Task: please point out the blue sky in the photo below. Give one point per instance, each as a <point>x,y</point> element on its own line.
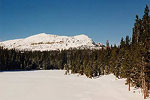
<point>101,20</point>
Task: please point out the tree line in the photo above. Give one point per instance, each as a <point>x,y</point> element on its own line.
<point>130,60</point>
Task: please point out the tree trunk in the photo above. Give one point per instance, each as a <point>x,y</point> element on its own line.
<point>129,84</point>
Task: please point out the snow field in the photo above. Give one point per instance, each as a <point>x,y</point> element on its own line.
<point>54,85</point>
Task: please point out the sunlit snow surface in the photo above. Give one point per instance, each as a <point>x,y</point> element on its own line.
<point>47,42</point>
<point>54,85</point>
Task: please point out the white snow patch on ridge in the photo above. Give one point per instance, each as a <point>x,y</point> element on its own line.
<point>47,42</point>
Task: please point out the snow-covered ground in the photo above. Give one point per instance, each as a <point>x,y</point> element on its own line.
<point>54,85</point>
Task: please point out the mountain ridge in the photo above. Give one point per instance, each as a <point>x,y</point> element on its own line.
<point>48,42</point>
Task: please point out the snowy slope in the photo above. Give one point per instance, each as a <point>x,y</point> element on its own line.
<point>54,85</point>
<point>46,42</point>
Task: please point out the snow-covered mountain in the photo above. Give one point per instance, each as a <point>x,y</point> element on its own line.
<point>47,42</point>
